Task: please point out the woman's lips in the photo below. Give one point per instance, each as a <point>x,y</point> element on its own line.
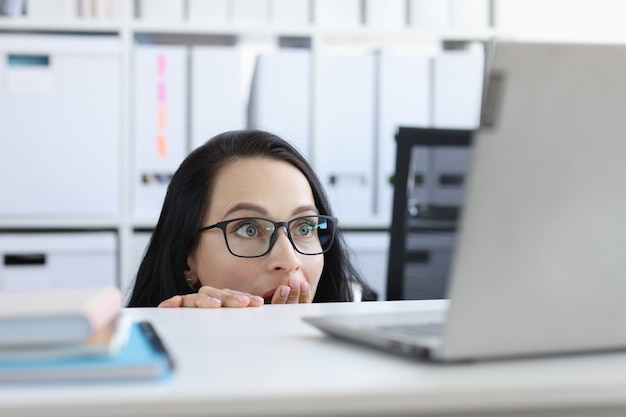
<point>267,296</point>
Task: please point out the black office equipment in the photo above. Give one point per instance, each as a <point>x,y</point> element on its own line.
<point>431,165</point>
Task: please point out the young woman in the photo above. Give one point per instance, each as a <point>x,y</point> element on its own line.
<point>245,222</point>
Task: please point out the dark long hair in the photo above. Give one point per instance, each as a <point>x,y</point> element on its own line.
<point>161,273</point>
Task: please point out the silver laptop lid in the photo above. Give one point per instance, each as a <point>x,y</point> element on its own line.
<point>541,257</point>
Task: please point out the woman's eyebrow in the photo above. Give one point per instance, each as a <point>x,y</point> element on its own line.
<point>262,211</point>
<point>247,206</point>
<point>305,208</point>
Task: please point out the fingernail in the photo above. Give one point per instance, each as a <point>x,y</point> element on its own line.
<point>304,287</point>
<point>284,292</point>
<point>258,299</point>
<point>215,300</point>
<point>293,283</point>
<point>242,298</point>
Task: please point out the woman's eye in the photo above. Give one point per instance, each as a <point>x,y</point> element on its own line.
<point>247,230</point>
<point>304,229</point>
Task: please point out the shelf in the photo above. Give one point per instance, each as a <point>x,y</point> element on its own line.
<point>40,223</point>
<point>197,28</point>
<point>403,34</point>
<point>60,26</point>
<point>202,29</point>
<point>126,223</point>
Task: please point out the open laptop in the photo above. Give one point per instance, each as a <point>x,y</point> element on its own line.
<point>540,261</point>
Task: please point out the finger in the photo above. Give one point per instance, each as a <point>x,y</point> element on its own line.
<point>191,300</point>
<point>232,298</point>
<point>294,293</point>
<point>203,301</point>
<point>254,300</point>
<point>281,294</point>
<point>305,293</point>
<point>173,302</point>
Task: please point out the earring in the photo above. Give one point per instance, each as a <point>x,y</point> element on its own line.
<point>189,282</point>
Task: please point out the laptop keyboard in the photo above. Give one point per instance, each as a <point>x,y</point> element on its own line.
<point>417,330</point>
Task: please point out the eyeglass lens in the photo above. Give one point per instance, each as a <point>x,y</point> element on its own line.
<point>311,235</point>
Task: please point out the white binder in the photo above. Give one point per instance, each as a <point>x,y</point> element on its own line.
<point>338,13</point>
<point>470,14</point>
<point>404,98</point>
<point>458,83</point>
<point>160,122</point>
<point>345,133</point>
<point>385,14</point>
<point>280,96</point>
<point>52,9</point>
<point>290,12</point>
<point>429,14</point>
<point>217,99</point>
<point>248,12</point>
<point>209,11</point>
<point>161,10</point>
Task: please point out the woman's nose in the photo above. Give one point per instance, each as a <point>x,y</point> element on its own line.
<point>283,255</point>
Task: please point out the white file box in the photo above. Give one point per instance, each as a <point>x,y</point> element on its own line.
<point>339,14</point>
<point>161,10</point>
<point>160,122</point>
<point>255,12</point>
<point>429,14</point>
<point>48,261</point>
<point>280,96</point>
<point>458,83</point>
<point>345,133</point>
<point>139,245</point>
<point>60,124</point>
<point>404,98</point>
<point>209,11</point>
<point>386,14</point>
<point>290,12</point>
<point>369,253</point>
<point>217,100</point>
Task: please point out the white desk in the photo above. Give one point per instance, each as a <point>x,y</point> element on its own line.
<point>267,362</point>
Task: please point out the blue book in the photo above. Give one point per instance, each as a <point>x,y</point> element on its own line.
<point>143,356</point>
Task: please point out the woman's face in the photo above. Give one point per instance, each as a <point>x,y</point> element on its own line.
<point>256,187</point>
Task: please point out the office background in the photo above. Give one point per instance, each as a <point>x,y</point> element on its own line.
<point>101,99</point>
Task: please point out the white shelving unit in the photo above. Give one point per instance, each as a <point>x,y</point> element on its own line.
<point>127,29</point>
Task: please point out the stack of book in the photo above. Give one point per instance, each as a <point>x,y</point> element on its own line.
<point>76,335</point>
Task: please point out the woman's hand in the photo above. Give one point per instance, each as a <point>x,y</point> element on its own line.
<point>294,292</point>
<point>209,297</point>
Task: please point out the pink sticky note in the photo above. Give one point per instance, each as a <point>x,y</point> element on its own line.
<point>161,64</point>
<point>161,145</point>
<point>161,93</point>
<point>161,117</point>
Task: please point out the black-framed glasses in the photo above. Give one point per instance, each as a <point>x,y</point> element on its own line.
<point>253,237</point>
